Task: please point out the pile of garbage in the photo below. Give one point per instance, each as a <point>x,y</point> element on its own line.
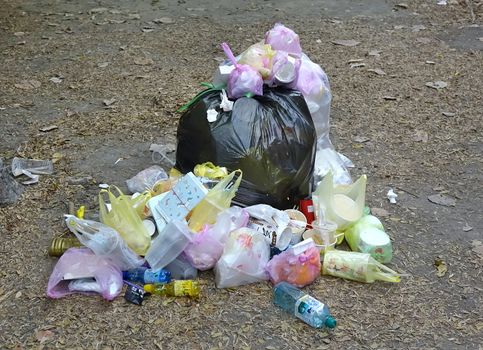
<point>258,193</point>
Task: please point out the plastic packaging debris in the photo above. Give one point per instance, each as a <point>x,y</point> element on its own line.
<point>244,80</point>
<point>178,202</point>
<point>271,138</point>
<point>303,306</point>
<point>59,245</point>
<point>84,285</point>
<point>298,265</point>
<point>80,263</point>
<point>206,247</point>
<point>160,153</point>
<point>181,269</point>
<point>297,224</point>
<point>146,276</point>
<point>225,104</point>
<point>211,115</point>
<point>186,288</point>
<point>134,294</point>
<point>284,69</point>
<point>103,241</point>
<point>283,39</point>
<point>210,171</point>
<point>10,190</point>
<point>124,219</point>
<point>146,179</point>
<point>328,160</point>
<point>171,241</point>
<point>258,56</point>
<point>391,195</point>
<point>340,204</point>
<point>218,199</point>
<point>357,266</point>
<point>244,258</point>
<point>33,166</point>
<point>271,223</point>
<point>324,235</point>
<point>367,236</point>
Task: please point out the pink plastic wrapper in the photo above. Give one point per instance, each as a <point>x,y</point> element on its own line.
<point>244,79</point>
<point>207,246</point>
<point>297,269</point>
<point>311,80</point>
<point>283,39</point>
<point>80,263</point>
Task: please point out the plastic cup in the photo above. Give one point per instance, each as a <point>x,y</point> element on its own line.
<point>298,223</point>
<point>324,235</point>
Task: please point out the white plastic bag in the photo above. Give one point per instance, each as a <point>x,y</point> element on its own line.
<point>104,241</point>
<point>244,259</point>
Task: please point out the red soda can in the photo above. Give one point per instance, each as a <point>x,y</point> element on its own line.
<point>307,208</point>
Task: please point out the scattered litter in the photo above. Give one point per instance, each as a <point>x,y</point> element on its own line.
<point>378,71</point>
<point>357,65</point>
<point>109,102</point>
<point>163,20</point>
<point>402,5</point>
<point>56,80</point>
<point>361,139</point>
<point>159,153</point>
<point>10,190</point>
<point>448,114</point>
<point>118,160</point>
<point>442,2</point>
<point>441,267</point>
<point>211,115</point>
<point>467,228</point>
<point>225,104</point>
<point>104,186</point>
<point>390,98</point>
<point>391,195</point>
<point>48,128</point>
<point>349,43</point>
<point>442,199</point>
<point>430,62</point>
<point>438,85</point>
<point>33,166</point>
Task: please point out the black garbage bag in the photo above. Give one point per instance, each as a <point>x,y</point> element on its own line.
<point>271,138</point>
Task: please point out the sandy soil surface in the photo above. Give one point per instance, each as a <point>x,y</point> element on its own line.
<point>122,68</point>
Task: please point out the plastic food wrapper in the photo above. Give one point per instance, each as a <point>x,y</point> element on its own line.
<point>10,190</point>
<point>244,259</point>
<point>210,171</point>
<point>82,263</point>
<point>284,69</point>
<point>258,56</point>
<point>146,179</point>
<point>271,138</point>
<point>283,39</point>
<point>244,80</point>
<point>125,220</point>
<point>298,265</point>
<point>207,246</point>
<point>104,241</point>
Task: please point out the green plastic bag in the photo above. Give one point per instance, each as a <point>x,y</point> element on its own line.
<point>125,220</point>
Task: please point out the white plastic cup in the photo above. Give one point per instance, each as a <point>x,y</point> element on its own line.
<point>298,223</point>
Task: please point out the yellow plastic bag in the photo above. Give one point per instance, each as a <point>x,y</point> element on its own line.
<point>125,220</point>
<point>210,171</point>
<point>139,203</point>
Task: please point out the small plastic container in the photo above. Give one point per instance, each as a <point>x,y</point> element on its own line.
<point>171,241</point>
<point>35,166</point>
<point>324,235</point>
<point>297,223</point>
<point>181,269</point>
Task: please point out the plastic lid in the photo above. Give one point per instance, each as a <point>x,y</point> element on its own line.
<point>149,288</point>
<point>330,322</point>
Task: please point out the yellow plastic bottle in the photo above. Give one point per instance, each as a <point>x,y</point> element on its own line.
<point>179,288</point>
<point>218,199</point>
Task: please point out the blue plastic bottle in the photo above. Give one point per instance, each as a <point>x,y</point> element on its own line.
<point>302,305</point>
<point>147,276</point>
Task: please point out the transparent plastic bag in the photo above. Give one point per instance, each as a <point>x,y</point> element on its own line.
<point>283,39</point>
<point>125,220</point>
<point>244,80</point>
<point>82,263</point>
<point>181,269</point>
<point>298,265</point>
<point>244,259</point>
<point>207,246</point>
<point>146,179</point>
<point>104,241</point>
<point>258,56</point>
<point>284,69</point>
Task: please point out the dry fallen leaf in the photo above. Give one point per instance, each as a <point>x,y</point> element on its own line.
<point>379,212</point>
<point>437,84</point>
<point>440,267</point>
<point>349,43</point>
<point>357,65</point>
<point>442,199</point>
<point>421,136</point>
<point>48,128</point>
<point>143,61</point>
<point>28,84</point>
<point>163,20</point>
<point>378,71</point>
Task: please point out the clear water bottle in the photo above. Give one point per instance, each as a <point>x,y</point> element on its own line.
<point>302,305</point>
<point>147,276</point>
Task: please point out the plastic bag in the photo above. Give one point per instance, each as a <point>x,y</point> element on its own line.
<point>104,241</point>
<point>284,69</point>
<point>181,269</point>
<point>244,80</point>
<point>244,258</point>
<point>271,138</point>
<point>207,246</point>
<point>10,190</point>
<point>283,39</point>
<point>82,263</point>
<point>125,220</point>
<point>146,179</point>
<point>258,56</point>
<point>298,265</point>
<point>139,203</point>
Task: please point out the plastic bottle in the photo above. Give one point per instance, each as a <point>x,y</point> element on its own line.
<point>187,288</point>
<point>303,306</point>
<point>357,266</point>
<point>145,275</point>
<point>218,199</point>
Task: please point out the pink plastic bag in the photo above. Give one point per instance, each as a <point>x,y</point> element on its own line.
<point>207,246</point>
<point>244,80</point>
<point>284,70</point>
<point>283,39</point>
<point>298,265</point>
<point>82,263</point>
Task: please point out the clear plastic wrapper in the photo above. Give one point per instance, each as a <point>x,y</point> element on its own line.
<point>146,179</point>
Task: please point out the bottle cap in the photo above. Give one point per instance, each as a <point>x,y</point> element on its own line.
<point>330,322</point>
<point>149,288</point>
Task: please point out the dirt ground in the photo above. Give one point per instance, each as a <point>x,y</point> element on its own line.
<point>150,57</point>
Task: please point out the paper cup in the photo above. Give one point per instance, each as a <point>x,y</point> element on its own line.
<point>282,239</point>
<point>298,223</point>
